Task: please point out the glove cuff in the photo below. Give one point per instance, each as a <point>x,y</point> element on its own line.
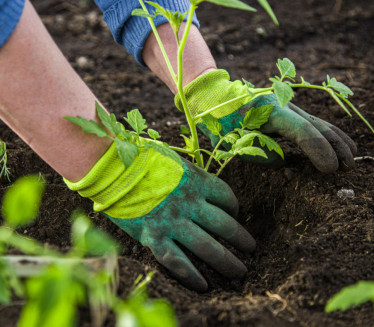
<point>210,90</point>
<point>131,192</point>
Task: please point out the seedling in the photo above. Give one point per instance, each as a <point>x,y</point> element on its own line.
<point>241,140</point>
<point>56,284</point>
<point>350,296</point>
<point>4,170</point>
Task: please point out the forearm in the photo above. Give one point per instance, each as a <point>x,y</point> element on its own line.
<point>38,88</point>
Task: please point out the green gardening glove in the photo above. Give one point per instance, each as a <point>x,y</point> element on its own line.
<point>158,201</point>
<point>326,145</point>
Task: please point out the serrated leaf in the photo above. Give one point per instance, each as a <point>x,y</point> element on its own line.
<point>270,144</point>
<point>283,92</point>
<point>22,200</point>
<point>221,155</point>
<point>127,151</point>
<point>153,134</point>
<point>256,117</point>
<point>141,13</point>
<point>269,11</point>
<point>344,90</point>
<point>188,141</point>
<point>108,120</point>
<point>286,67</point>
<point>136,121</point>
<point>231,138</point>
<point>252,151</point>
<point>349,296</point>
<point>185,130</point>
<point>244,141</point>
<point>233,4</point>
<point>212,123</point>
<point>88,126</point>
<point>165,150</point>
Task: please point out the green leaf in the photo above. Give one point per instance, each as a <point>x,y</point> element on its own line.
<point>88,126</point>
<point>174,18</point>
<point>52,298</point>
<point>283,92</point>
<point>127,151</point>
<point>252,151</point>
<point>189,142</point>
<point>164,150</point>
<point>270,144</point>
<point>141,13</point>
<point>268,9</point>
<point>344,90</point>
<point>236,4</point>
<point>185,129</point>
<point>219,155</point>
<point>244,141</point>
<point>153,134</point>
<point>286,67</point>
<point>349,296</point>
<point>231,138</point>
<point>256,117</point>
<point>136,121</point>
<point>212,123</point>
<point>109,121</point>
<point>22,200</point>
<point>88,239</point>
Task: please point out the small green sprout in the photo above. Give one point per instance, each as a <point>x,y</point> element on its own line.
<point>350,296</point>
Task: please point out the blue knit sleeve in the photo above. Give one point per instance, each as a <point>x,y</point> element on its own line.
<point>132,31</point>
<point>10,13</point>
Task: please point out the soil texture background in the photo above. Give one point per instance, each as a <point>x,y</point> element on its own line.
<point>311,242</point>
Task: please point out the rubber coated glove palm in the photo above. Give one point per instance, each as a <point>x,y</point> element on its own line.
<point>325,145</point>
<point>158,201</point>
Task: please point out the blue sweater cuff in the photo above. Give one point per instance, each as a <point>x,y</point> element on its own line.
<point>132,31</point>
<point>10,13</point>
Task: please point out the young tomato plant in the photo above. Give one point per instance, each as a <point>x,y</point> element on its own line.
<point>241,140</point>
<point>359,293</point>
<point>54,294</point>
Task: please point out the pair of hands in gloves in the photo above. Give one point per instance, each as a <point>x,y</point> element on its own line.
<point>197,202</point>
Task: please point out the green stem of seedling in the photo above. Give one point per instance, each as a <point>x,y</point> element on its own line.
<point>190,120</point>
<point>181,150</point>
<point>213,154</point>
<point>224,165</point>
<point>160,44</point>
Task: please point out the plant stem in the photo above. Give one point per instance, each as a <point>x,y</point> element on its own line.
<point>160,44</point>
<point>212,155</point>
<point>181,150</point>
<point>224,165</point>
<point>190,120</point>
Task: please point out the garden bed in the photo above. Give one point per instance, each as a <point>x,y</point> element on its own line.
<point>311,242</point>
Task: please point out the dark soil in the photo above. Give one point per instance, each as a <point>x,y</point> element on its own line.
<point>311,243</point>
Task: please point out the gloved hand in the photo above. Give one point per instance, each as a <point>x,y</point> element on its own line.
<point>326,145</point>
<point>158,201</point>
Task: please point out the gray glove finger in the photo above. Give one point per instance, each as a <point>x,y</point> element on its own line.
<point>341,148</point>
<point>218,193</point>
<point>180,267</point>
<point>291,125</point>
<point>210,251</point>
<point>221,224</point>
